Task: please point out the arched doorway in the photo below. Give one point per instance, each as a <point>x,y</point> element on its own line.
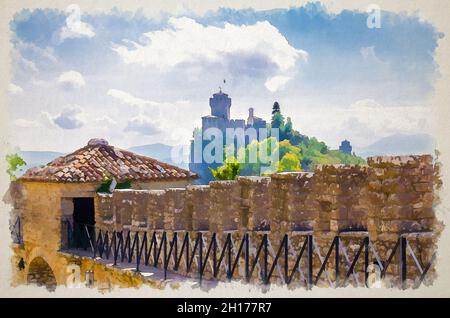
<point>41,274</point>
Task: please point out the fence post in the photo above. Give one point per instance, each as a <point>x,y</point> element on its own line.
<point>115,251</point>
<point>138,254</point>
<point>164,238</point>
<point>200,256</point>
<point>175,247</point>
<point>402,262</point>
<point>310,261</point>
<point>266,259</point>
<point>337,260</point>
<point>286,258</point>
<point>229,240</point>
<point>20,231</point>
<point>247,257</point>
<point>188,247</point>
<point>366,259</point>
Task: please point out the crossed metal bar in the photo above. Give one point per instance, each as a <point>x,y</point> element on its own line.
<point>159,251</point>
<point>16,231</point>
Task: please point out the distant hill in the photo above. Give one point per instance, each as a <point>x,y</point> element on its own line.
<point>36,158</point>
<point>399,144</point>
<point>159,152</point>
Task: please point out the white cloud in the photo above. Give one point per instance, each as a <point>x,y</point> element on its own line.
<point>104,121</point>
<point>27,65</point>
<point>244,48</point>
<point>368,52</point>
<point>171,121</point>
<point>363,122</point>
<point>25,123</point>
<point>14,89</point>
<point>143,124</point>
<point>47,53</point>
<point>71,80</point>
<point>276,83</point>
<point>126,98</point>
<point>383,120</point>
<point>129,99</point>
<point>69,118</point>
<point>75,28</point>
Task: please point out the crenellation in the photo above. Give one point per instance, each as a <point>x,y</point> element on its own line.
<point>384,200</point>
<point>255,202</point>
<point>176,216</point>
<point>155,209</point>
<point>383,197</point>
<point>225,209</point>
<point>198,202</point>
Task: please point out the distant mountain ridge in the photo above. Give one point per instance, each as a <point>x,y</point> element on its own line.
<point>39,157</point>
<point>161,152</point>
<point>157,151</point>
<point>399,144</point>
<point>36,158</point>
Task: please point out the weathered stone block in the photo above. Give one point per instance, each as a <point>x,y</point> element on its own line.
<point>396,212</point>
<point>423,187</point>
<point>199,202</point>
<point>155,209</point>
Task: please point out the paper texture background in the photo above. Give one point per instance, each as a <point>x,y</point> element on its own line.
<point>434,11</point>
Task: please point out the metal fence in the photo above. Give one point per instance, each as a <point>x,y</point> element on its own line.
<point>16,231</point>
<point>252,257</point>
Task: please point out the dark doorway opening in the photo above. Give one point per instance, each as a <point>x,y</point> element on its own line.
<point>41,274</point>
<point>83,222</point>
<point>83,210</point>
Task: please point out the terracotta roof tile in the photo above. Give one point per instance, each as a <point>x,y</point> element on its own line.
<point>95,162</point>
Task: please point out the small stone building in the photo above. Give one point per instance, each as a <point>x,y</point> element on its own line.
<point>45,198</point>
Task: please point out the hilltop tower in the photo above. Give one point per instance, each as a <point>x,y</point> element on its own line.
<point>346,147</point>
<point>220,118</point>
<point>220,105</point>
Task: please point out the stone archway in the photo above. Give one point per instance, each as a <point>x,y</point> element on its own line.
<point>41,274</point>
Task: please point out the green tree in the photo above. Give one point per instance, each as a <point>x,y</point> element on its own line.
<point>275,108</point>
<point>277,122</point>
<point>303,156</point>
<point>287,132</point>
<point>228,171</point>
<point>14,163</point>
<point>104,187</point>
<point>286,147</point>
<point>289,163</point>
<point>296,138</point>
<point>258,156</point>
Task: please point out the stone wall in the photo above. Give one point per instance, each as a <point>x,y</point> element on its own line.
<point>42,208</point>
<point>389,196</point>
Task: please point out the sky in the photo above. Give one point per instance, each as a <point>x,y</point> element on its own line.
<point>134,79</point>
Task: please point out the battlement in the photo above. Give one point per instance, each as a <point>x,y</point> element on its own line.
<point>390,195</point>
<point>220,105</point>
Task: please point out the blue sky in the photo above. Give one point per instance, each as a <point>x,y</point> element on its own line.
<point>134,80</point>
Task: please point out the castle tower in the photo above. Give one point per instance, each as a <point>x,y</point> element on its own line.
<point>346,147</point>
<point>251,117</point>
<point>220,105</point>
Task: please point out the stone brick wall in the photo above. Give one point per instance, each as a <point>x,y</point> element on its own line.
<point>388,197</point>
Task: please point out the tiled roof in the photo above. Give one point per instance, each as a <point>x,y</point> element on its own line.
<point>99,161</point>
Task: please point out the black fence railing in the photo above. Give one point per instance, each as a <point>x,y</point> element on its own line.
<point>253,257</point>
<point>16,231</point>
